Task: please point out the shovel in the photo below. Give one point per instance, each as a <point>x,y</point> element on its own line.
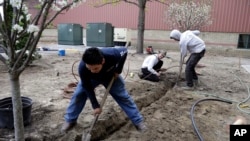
<point>87,136</point>
<point>179,75</point>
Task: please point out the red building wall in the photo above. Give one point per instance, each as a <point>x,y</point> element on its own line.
<point>228,16</point>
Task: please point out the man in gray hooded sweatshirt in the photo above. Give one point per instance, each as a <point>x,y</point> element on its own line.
<point>189,42</point>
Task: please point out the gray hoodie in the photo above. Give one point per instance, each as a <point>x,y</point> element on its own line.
<point>188,41</point>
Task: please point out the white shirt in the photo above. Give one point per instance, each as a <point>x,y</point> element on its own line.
<point>189,41</point>
<point>149,62</point>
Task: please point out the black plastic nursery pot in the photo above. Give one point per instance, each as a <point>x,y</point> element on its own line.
<point>6,112</point>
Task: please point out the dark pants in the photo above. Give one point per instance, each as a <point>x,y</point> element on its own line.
<point>147,75</point>
<point>190,67</point>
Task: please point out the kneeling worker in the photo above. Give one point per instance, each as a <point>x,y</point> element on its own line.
<point>151,67</point>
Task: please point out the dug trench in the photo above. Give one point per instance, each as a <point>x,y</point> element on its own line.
<point>166,112</point>
<point>113,118</point>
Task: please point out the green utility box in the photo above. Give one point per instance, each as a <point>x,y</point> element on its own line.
<point>100,35</point>
<point>70,34</point>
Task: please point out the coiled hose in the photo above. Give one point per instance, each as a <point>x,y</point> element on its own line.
<point>193,108</point>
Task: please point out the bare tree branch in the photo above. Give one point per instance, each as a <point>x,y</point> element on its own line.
<point>57,13</point>
<point>189,14</point>
<point>36,19</point>
<point>165,2</point>
<point>114,2</point>
<point>131,2</point>
<point>106,3</point>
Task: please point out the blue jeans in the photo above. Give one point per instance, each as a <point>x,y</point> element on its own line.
<point>117,91</point>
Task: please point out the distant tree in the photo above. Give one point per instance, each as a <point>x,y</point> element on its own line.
<point>141,4</point>
<point>189,14</point>
<point>19,31</point>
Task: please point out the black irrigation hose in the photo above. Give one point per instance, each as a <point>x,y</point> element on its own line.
<point>192,111</point>
<point>72,70</point>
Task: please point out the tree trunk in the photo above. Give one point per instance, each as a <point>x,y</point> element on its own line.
<point>17,106</point>
<point>141,26</point>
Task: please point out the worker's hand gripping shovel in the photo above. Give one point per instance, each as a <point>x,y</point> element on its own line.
<point>87,136</point>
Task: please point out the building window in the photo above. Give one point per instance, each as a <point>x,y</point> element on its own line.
<point>244,41</point>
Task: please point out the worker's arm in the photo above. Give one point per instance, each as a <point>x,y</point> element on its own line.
<point>183,50</point>
<point>196,32</point>
<point>86,83</point>
<point>184,41</point>
<point>151,65</point>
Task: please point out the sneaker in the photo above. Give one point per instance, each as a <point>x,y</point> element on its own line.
<point>141,127</point>
<point>67,126</point>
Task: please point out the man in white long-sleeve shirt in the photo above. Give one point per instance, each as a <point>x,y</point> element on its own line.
<point>190,42</point>
<point>151,67</point>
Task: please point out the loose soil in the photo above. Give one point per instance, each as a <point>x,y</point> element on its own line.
<point>165,107</point>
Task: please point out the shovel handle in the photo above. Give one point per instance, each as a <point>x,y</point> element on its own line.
<point>107,91</point>
<point>179,74</point>
<point>102,103</point>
